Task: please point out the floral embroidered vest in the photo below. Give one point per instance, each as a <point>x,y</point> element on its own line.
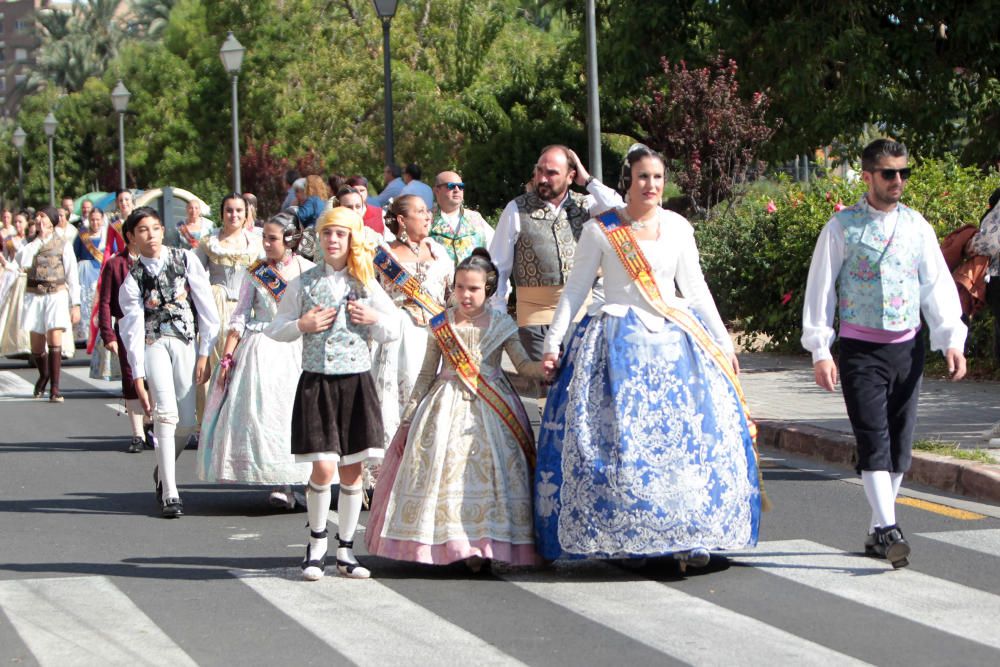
<point>343,348</point>
<point>166,302</point>
<point>546,245</point>
<point>879,283</point>
<point>459,242</point>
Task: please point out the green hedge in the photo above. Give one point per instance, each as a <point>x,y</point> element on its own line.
<point>756,262</point>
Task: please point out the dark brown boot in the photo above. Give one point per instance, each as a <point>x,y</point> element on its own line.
<point>42,364</point>
<point>55,367</point>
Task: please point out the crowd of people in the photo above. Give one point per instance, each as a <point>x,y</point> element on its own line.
<point>357,341</point>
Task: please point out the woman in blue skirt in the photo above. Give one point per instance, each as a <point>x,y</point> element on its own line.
<point>646,447</point>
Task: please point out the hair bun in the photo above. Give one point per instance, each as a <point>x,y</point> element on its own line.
<point>482,252</point>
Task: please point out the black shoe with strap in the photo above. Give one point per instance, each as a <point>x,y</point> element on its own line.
<point>893,546</point>
<point>314,568</point>
<point>135,446</point>
<point>350,567</point>
<point>172,508</point>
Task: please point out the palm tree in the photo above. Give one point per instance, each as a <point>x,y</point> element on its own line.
<point>150,17</point>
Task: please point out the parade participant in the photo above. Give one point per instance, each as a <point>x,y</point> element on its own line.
<point>124,204</point>
<point>397,364</point>
<point>645,447</point>
<point>89,250</point>
<point>226,254</point>
<point>536,240</point>
<point>194,227</point>
<point>18,238</point>
<point>457,484</point>
<point>374,217</point>
<point>85,208</point>
<point>163,295</point>
<point>63,227</point>
<point>246,430</point>
<point>878,264</point>
<point>51,299</point>
<point>337,307</point>
<point>252,224</point>
<point>455,227</point>
<point>349,198</point>
<point>6,225</point>
<point>109,314</point>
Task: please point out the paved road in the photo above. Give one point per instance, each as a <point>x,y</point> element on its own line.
<point>90,575</point>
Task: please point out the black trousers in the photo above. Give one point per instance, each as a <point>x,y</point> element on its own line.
<point>881,384</point>
<point>993,300</point>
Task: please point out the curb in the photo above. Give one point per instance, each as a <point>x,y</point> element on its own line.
<point>967,478</point>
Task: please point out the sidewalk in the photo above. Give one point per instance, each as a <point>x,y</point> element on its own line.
<point>795,415</point>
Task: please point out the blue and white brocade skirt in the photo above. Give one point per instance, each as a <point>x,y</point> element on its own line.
<point>644,448</point>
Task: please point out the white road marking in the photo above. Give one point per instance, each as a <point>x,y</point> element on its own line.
<point>937,603</point>
<point>82,373</point>
<point>15,388</point>
<point>985,541</point>
<point>680,625</point>
<point>79,621</point>
<point>377,626</point>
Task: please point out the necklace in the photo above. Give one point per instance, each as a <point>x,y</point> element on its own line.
<point>637,224</point>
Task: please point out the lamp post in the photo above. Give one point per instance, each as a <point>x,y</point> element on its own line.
<point>386,9</point>
<point>18,138</point>
<point>232,59</point>
<point>49,124</point>
<point>593,101</point>
<point>119,100</point>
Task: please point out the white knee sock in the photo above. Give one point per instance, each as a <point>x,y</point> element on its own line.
<point>897,481</point>
<point>318,509</point>
<point>348,511</point>
<point>165,457</point>
<point>135,416</point>
<point>878,489</point>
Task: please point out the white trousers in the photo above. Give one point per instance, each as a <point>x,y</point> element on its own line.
<point>170,366</point>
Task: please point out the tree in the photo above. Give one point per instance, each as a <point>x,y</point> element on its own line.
<point>699,121</point>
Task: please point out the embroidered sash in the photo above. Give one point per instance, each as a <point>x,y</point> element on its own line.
<point>407,283</point>
<point>188,236</point>
<point>455,353</point>
<point>113,245</point>
<point>268,277</point>
<point>638,268</point>
<point>86,238</point>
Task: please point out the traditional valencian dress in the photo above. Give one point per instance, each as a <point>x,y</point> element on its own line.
<point>246,429</point>
<point>188,238</point>
<point>461,485</point>
<point>89,249</point>
<point>395,365</point>
<point>226,272</point>
<point>645,447</point>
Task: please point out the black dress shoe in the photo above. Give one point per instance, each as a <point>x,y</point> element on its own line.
<point>894,546</point>
<point>872,546</point>
<point>135,446</point>
<point>172,508</point>
<point>147,431</point>
<point>157,485</point>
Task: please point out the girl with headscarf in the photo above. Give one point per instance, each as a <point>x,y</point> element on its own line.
<point>338,308</point>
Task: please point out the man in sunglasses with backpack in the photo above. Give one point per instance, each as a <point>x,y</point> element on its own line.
<point>878,264</point>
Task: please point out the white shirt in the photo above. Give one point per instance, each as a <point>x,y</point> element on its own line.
<point>673,257</point>
<point>25,257</point>
<point>132,326</point>
<point>285,326</point>
<point>70,232</point>
<point>472,218</point>
<point>600,199</point>
<point>938,295</point>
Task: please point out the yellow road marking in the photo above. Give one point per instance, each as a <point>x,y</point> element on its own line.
<point>937,508</point>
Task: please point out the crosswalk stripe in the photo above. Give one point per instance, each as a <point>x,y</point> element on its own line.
<point>78,621</point>
<point>369,623</point>
<point>985,541</point>
<point>14,387</point>
<point>917,597</point>
<point>82,373</point>
<point>695,626</point>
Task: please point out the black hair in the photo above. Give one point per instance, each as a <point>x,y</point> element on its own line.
<point>355,181</point>
<point>136,216</point>
<point>879,149</point>
<point>400,206</point>
<point>480,260</point>
<point>291,228</point>
<point>291,176</point>
<point>119,191</point>
<point>636,152</point>
<point>347,190</point>
<point>413,171</point>
<point>232,195</point>
<point>394,170</point>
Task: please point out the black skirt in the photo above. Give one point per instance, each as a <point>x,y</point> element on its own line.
<point>339,415</point>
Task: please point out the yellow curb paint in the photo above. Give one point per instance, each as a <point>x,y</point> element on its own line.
<point>937,508</point>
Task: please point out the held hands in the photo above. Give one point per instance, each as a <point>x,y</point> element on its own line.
<point>825,372</point>
<point>550,364</point>
<point>956,364</point>
<point>317,319</point>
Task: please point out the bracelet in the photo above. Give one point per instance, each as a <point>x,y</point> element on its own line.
<point>227,361</point>
<point>590,180</point>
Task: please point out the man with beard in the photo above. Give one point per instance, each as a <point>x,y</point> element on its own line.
<point>879,263</point>
<point>536,239</point>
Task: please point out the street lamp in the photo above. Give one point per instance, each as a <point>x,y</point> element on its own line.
<point>18,138</point>
<point>386,9</point>
<point>593,101</point>
<point>49,124</point>
<point>232,59</point>
<point>119,100</point>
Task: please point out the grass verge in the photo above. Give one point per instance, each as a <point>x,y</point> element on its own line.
<point>952,449</point>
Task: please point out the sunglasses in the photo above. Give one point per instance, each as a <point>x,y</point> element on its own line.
<point>452,186</point>
<point>890,174</point>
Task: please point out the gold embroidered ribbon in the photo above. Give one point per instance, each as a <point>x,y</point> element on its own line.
<point>627,248</point>
<point>468,373</point>
<point>268,277</point>
<point>91,247</point>
<point>407,283</point>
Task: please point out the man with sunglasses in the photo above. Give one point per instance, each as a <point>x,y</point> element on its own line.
<point>455,227</point>
<point>878,263</point>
